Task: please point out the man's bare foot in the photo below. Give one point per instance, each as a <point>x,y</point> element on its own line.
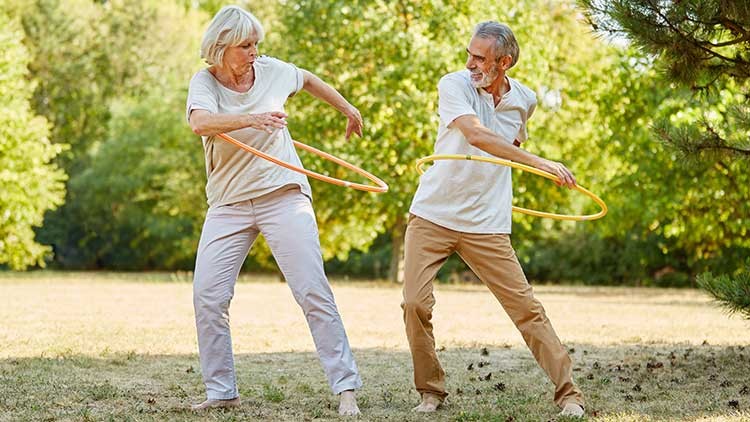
<point>216,404</point>
<point>348,404</point>
<point>430,403</point>
<point>572,409</point>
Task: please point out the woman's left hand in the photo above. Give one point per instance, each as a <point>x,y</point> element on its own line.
<point>355,123</point>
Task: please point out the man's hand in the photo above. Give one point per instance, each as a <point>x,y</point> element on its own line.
<point>268,121</point>
<point>559,170</point>
<point>355,122</point>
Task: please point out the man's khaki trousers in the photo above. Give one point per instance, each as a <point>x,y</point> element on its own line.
<point>494,261</point>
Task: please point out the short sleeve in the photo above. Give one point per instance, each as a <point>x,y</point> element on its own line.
<point>202,95</point>
<point>453,101</point>
<point>523,132</point>
<point>287,76</point>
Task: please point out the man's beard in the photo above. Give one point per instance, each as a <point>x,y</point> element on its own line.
<point>487,78</point>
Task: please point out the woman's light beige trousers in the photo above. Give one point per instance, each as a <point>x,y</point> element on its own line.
<point>286,219</point>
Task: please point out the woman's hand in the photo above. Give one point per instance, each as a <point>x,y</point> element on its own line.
<point>355,122</point>
<point>267,121</point>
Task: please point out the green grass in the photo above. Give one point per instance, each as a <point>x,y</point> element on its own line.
<point>122,347</point>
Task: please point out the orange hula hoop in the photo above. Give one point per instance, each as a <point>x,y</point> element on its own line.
<point>380,187</point>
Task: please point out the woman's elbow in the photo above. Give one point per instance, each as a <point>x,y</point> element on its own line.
<point>199,129</point>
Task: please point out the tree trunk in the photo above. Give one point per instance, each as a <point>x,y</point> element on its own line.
<point>396,270</point>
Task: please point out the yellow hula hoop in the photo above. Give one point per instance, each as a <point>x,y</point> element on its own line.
<point>493,160</point>
<point>380,188</point>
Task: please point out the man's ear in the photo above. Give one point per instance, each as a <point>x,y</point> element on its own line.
<point>505,62</point>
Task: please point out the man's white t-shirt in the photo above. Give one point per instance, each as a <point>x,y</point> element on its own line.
<point>472,196</point>
<point>235,175</point>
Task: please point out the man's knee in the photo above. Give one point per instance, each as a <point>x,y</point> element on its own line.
<point>416,306</point>
<point>526,311</point>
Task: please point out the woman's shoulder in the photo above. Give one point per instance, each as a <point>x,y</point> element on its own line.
<point>270,62</point>
<point>203,77</point>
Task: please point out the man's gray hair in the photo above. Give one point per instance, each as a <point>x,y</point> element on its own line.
<point>505,41</point>
<point>231,26</point>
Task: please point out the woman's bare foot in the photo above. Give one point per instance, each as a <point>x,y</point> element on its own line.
<point>348,404</point>
<point>216,404</point>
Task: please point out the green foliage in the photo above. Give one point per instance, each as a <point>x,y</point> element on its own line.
<point>143,190</point>
<point>698,42</point>
<point>69,63</point>
<point>733,291</point>
<point>110,78</point>
<point>136,196</point>
<point>30,183</point>
<point>703,45</point>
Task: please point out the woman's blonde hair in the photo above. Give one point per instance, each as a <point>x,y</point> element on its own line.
<point>231,26</point>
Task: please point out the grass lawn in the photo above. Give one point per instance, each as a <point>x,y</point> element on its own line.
<point>80,346</point>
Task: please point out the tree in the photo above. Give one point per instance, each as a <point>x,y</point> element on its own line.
<point>113,82</point>
<point>703,46</point>
<point>30,182</point>
<point>139,201</point>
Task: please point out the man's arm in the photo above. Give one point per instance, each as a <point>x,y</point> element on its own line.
<point>319,89</point>
<point>479,136</point>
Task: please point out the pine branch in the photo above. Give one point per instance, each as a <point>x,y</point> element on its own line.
<point>692,40</point>
<point>732,292</point>
<point>693,144</point>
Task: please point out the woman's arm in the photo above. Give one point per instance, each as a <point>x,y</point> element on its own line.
<point>319,89</point>
<point>205,123</point>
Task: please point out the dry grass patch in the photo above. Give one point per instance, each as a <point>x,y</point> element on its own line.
<point>122,347</point>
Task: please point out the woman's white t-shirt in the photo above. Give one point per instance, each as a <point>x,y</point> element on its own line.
<point>235,175</point>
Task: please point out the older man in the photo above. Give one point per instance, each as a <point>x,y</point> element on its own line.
<point>465,207</point>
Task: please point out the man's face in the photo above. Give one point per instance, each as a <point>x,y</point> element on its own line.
<point>482,62</point>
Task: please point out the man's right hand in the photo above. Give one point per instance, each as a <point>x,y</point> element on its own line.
<point>559,170</point>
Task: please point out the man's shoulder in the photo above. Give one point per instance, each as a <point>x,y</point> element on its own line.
<point>456,80</point>
<point>458,76</point>
<point>523,91</point>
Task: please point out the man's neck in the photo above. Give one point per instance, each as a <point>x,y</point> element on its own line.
<point>498,88</point>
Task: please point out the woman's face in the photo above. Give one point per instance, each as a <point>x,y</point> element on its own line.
<point>240,58</point>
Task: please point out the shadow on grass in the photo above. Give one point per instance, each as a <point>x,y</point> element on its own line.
<point>485,383</point>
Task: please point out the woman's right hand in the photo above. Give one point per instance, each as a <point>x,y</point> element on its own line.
<point>267,122</point>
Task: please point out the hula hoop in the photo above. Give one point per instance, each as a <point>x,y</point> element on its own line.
<point>529,169</point>
<point>380,188</point>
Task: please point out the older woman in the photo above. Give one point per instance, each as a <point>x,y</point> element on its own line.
<point>243,94</point>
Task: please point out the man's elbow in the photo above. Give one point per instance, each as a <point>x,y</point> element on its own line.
<point>474,138</point>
